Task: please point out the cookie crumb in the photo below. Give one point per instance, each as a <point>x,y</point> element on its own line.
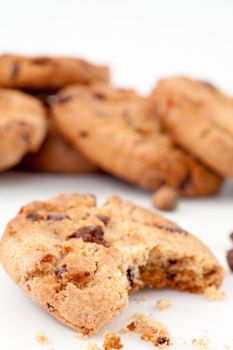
<point>41,338</point>
<point>202,343</point>
<point>112,341</point>
<point>81,336</point>
<point>213,294</point>
<point>165,198</point>
<point>163,304</point>
<point>150,330</point>
<point>93,346</point>
<point>230,258</point>
<point>144,297</point>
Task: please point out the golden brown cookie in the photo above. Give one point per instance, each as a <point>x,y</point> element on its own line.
<point>200,118</point>
<point>48,72</point>
<point>57,155</point>
<point>79,262</point>
<point>23,126</point>
<point>116,129</point>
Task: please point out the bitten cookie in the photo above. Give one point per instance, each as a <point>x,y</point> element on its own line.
<point>48,72</point>
<point>79,262</point>
<point>23,126</point>
<point>116,129</point>
<point>200,118</point>
<point>56,155</point>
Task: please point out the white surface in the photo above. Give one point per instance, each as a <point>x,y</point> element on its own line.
<point>143,40</point>
<point>190,315</point>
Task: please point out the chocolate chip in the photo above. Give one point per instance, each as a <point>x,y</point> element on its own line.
<point>33,216</point>
<point>57,217</point>
<point>130,278</point>
<point>103,218</point>
<point>230,259</point>
<point>172,261</point>
<point>131,326</point>
<point>184,184</point>
<point>55,99</point>
<point>91,233</point>
<point>15,70</point>
<point>59,271</point>
<point>50,307</point>
<point>99,95</point>
<point>41,60</point>
<point>163,340</point>
<point>83,133</point>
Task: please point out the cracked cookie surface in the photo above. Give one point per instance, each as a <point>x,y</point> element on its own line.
<point>79,261</point>
<point>200,118</point>
<point>23,126</point>
<point>116,129</point>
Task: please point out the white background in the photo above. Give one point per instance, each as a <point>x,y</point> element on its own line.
<point>142,40</point>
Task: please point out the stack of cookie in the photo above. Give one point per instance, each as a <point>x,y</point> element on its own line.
<point>68,113</point>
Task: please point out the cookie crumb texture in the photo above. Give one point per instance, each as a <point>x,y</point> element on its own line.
<point>165,198</point>
<point>150,330</point>
<point>163,304</point>
<point>79,261</point>
<point>213,294</point>
<point>41,338</point>
<point>112,341</point>
<point>116,129</point>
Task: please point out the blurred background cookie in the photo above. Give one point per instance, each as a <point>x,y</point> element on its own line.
<point>116,129</point>
<point>23,126</point>
<point>48,72</point>
<point>199,118</point>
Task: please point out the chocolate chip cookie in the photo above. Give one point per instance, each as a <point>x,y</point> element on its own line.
<point>117,130</point>
<point>23,126</point>
<point>48,72</point>
<point>79,261</point>
<point>200,118</point>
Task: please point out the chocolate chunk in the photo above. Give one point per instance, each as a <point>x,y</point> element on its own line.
<point>230,259</point>
<point>172,261</point>
<point>54,99</point>
<point>130,278</point>
<point>50,307</point>
<point>60,271</point>
<point>83,133</point>
<point>99,95</point>
<point>33,216</point>
<point>91,233</point>
<point>15,70</point>
<point>103,218</point>
<point>41,60</point>
<point>184,184</point>
<point>131,326</point>
<point>57,217</point>
<point>163,340</point>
